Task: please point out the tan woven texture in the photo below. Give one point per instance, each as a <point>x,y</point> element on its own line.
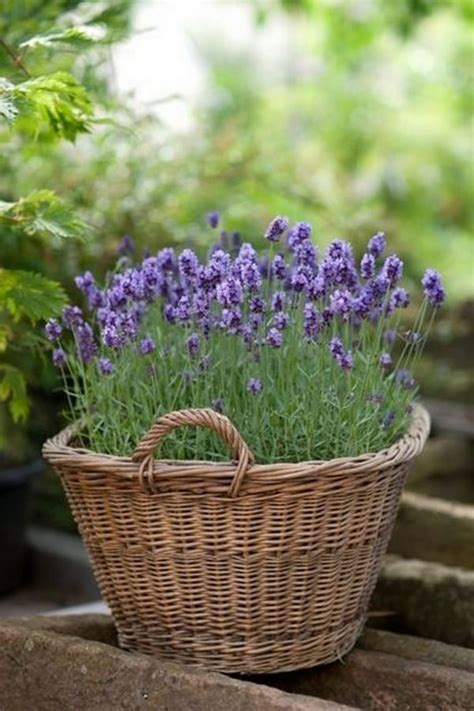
<point>236,566</point>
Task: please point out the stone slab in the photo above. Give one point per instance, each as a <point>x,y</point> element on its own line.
<point>49,670</point>
<point>376,681</point>
<point>435,530</point>
<point>426,600</point>
<point>71,662</point>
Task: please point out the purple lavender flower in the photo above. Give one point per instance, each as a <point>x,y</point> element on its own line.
<point>316,289</point>
<point>306,254</point>
<point>183,309</point>
<point>147,346</point>
<point>299,279</point>
<point>385,360</point>
<point>298,234</point>
<point>218,405</point>
<point>339,249</point>
<point>392,270</point>
<point>326,317</point>
<point>251,277</point>
<point>280,320</point>
<point>229,292</point>
<point>84,281</point>
<point>231,319</point>
<point>390,336</point>
<point>341,303</point>
<point>59,357</point>
<point>388,420</point>
<point>72,316</point>
<point>278,301</point>
<point>86,345</point>
<point>276,228</point>
<point>213,219</point>
<point>216,269</point>
<point>105,366</point>
<point>342,357</point>
<point>405,378</point>
<point>257,305</point>
<point>274,338</point>
<point>111,337</point>
<point>193,344</point>
<point>279,267</point>
<point>166,259</point>
<point>126,246</point>
<point>255,320</point>
<point>433,288</point>
<point>376,244</point>
<point>254,386</point>
<point>311,321</point>
<point>400,298</point>
<point>169,313</point>
<point>53,329</point>
<point>188,265</point>
<point>367,266</point>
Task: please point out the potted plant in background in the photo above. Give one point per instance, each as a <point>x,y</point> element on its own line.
<point>294,363</point>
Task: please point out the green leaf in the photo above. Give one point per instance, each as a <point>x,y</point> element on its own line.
<point>57,100</point>
<point>13,390</point>
<point>7,106</point>
<point>43,214</point>
<point>25,294</point>
<point>77,36</point>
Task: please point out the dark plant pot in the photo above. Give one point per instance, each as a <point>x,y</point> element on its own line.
<point>14,494</point>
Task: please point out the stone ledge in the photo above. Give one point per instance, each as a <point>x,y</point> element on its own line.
<point>427,600</point>
<point>57,663</point>
<point>43,667</point>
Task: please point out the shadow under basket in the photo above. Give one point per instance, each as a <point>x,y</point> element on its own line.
<point>237,567</point>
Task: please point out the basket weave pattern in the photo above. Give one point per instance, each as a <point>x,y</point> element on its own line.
<point>236,566</point>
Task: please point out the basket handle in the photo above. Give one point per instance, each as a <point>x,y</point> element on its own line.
<point>205,417</point>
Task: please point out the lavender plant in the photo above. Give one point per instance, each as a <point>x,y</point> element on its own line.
<point>303,352</point>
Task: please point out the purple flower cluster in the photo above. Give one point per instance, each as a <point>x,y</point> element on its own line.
<point>342,357</point>
<point>276,229</point>
<point>433,288</point>
<point>263,303</point>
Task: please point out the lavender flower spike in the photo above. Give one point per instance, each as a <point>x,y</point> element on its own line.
<point>433,288</point>
<point>274,338</point>
<point>276,228</point>
<point>385,360</point>
<point>53,329</point>
<point>59,357</point>
<point>377,244</point>
<point>367,266</point>
<point>392,269</point>
<point>104,366</point>
<point>193,345</point>
<point>254,386</point>
<point>213,219</point>
<point>343,359</point>
<point>147,346</point>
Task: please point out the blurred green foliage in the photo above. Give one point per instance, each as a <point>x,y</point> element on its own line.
<point>39,108</point>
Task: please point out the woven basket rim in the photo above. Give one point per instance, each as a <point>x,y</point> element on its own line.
<point>177,474</point>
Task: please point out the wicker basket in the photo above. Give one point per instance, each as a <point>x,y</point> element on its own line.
<point>238,567</point>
